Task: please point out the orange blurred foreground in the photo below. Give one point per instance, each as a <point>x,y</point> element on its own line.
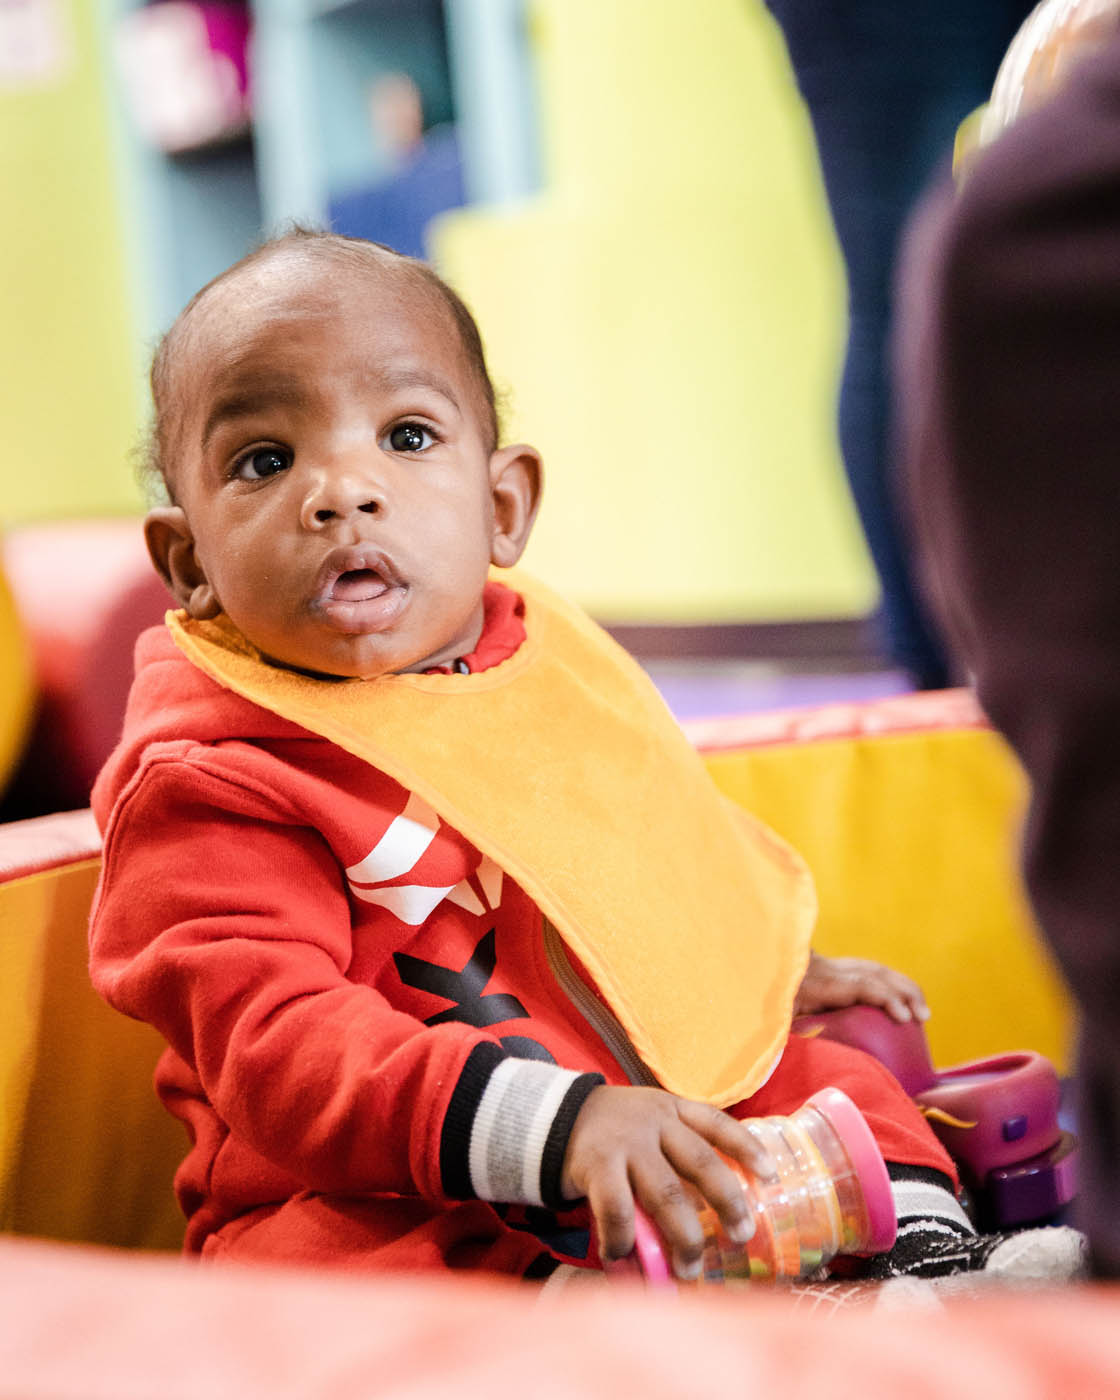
<point>80,1322</point>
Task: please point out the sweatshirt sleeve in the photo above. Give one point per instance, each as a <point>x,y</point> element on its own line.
<point>222,919</point>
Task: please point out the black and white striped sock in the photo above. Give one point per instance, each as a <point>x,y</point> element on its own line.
<point>936,1240</point>
<point>935,1236</point>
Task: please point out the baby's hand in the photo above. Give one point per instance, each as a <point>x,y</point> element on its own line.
<point>647,1145</point>
<point>833,982</point>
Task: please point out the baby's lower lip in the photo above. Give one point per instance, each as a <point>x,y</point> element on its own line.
<point>362,602</point>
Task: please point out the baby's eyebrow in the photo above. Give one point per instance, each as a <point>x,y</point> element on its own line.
<point>247,400</point>
<point>419,378</point>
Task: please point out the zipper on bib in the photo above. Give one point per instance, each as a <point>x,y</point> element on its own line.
<point>602,1021</point>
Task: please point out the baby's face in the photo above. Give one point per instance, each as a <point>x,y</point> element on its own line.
<point>331,462</point>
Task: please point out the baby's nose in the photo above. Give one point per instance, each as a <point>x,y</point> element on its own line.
<point>325,513</point>
<point>337,494</point>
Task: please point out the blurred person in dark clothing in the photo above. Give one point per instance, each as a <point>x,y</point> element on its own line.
<point>1009,391</point>
<point>887,85</point>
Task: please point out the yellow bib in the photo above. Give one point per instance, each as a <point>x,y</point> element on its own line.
<point>565,767</point>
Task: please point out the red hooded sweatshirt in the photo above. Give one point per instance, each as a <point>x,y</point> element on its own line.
<point>372,1032</point>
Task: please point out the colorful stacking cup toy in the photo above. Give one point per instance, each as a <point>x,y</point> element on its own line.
<point>830,1195</point>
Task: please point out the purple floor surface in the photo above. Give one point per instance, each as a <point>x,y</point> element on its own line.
<point>708,689</point>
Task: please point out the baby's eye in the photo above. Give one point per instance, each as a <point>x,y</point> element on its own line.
<point>262,462</point>
<point>410,437</point>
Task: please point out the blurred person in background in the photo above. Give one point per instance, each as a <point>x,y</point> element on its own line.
<point>887,85</point>
<point>1009,393</point>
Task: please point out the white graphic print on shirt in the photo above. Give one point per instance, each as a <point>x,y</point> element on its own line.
<point>404,842</point>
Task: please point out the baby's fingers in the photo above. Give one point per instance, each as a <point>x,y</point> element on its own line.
<point>727,1135</point>
<point>899,997</point>
<point>913,998</point>
<point>834,982</point>
<point>612,1208</point>
<point>672,1208</point>
<point>709,1150</point>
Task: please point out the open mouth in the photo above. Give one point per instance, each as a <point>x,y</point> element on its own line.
<point>358,586</point>
<point>359,590</point>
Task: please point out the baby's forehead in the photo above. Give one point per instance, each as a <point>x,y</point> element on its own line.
<point>288,286</point>
<point>244,323</point>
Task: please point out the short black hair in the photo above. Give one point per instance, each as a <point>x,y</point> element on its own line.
<point>154,467</point>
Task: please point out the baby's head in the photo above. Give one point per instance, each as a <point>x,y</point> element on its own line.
<point>326,431</point>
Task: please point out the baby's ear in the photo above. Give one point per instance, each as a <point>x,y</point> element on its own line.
<point>171,546</point>
<point>516,480</point>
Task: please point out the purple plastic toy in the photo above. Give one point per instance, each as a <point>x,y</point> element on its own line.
<point>997,1117</point>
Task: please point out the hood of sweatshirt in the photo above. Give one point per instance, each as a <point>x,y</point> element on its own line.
<point>172,700</point>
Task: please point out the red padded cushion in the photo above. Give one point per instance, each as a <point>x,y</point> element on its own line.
<point>85,592</point>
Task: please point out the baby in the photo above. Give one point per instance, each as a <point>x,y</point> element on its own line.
<point>456,949</point>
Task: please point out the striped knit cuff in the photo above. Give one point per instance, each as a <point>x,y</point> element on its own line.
<point>925,1194</point>
<point>507,1128</point>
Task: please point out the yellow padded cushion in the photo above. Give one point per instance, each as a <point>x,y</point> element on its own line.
<point>86,1150</point>
<point>913,840</point>
<point>21,977</point>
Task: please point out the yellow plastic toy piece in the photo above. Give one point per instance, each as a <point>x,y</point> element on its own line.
<point>16,684</point>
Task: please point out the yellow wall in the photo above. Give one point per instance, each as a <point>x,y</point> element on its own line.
<point>669,316</point>
<point>69,400</point>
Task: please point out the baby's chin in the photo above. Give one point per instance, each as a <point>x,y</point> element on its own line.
<point>350,659</point>
<point>331,655</point>
<point>342,659</point>
<point>330,668</point>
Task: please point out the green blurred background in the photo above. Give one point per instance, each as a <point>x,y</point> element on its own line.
<point>645,244</point>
